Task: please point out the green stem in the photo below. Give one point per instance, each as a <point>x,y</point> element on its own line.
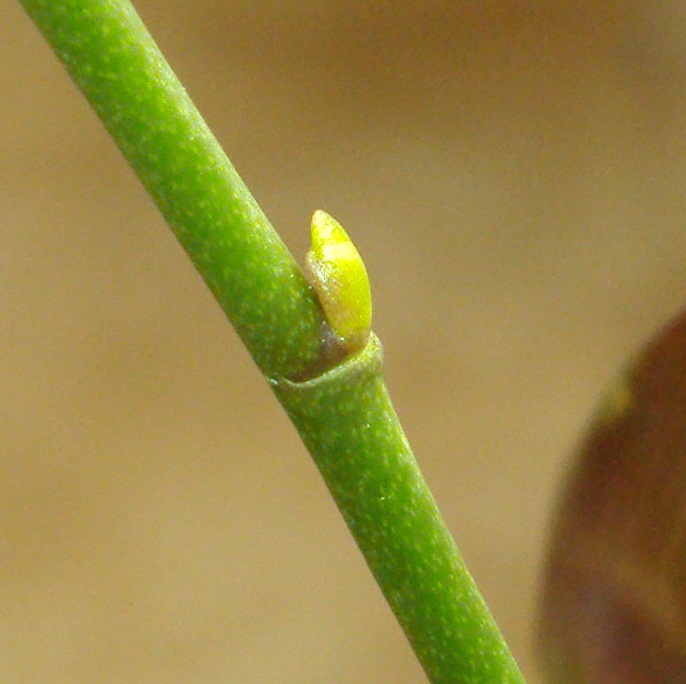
<point>347,421</point>
<point>114,60</point>
<point>344,415</point>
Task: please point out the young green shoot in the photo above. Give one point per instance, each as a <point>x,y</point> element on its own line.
<point>338,275</point>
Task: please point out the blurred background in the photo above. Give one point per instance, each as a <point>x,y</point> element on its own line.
<point>513,175</point>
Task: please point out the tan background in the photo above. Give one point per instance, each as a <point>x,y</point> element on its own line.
<point>513,173</point>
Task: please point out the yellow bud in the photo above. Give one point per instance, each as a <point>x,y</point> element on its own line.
<point>339,278</point>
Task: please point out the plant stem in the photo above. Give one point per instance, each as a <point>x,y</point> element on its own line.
<point>344,415</point>
<point>114,60</point>
<point>347,421</point>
